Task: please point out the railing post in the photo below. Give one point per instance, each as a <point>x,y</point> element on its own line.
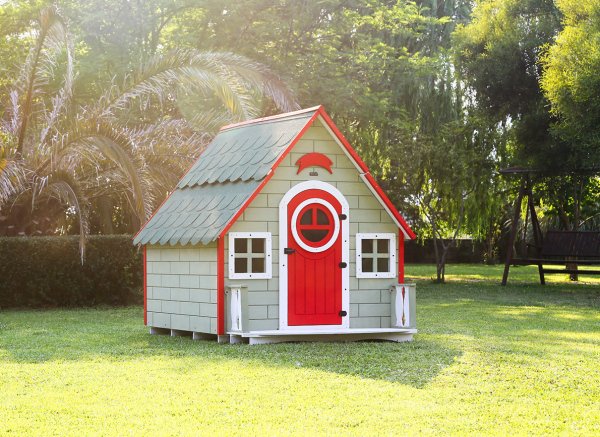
<point>403,302</point>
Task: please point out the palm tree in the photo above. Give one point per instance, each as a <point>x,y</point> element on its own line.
<point>62,163</point>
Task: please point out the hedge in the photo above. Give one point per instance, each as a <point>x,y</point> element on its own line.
<point>47,272</point>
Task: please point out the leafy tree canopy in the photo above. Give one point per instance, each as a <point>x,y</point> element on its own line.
<point>572,84</point>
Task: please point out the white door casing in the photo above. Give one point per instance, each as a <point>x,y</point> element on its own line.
<point>283,268</point>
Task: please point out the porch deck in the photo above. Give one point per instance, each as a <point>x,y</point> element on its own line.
<point>357,334</point>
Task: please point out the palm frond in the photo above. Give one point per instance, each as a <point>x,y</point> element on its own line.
<point>40,65</point>
<point>231,78</point>
<point>260,77</point>
<point>64,187</point>
<point>100,139</point>
<point>12,177</point>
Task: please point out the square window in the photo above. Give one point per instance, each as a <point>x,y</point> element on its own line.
<point>250,255</point>
<point>375,255</point>
<point>383,246</point>
<point>258,245</point>
<point>241,245</point>
<point>367,245</point>
<point>241,265</point>
<point>258,265</point>
<point>383,264</point>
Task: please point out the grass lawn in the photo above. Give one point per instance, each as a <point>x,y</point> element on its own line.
<point>521,359</point>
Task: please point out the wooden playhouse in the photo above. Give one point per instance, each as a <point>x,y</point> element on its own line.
<point>278,233</point>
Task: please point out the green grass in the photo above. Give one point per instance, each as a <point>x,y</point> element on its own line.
<point>521,359</point>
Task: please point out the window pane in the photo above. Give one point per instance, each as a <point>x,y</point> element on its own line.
<point>306,218</point>
<point>314,235</point>
<point>383,265</point>
<point>241,245</point>
<point>322,218</point>
<point>258,265</point>
<point>258,245</point>
<point>383,246</point>
<point>241,265</point>
<point>367,245</point>
<point>367,265</point>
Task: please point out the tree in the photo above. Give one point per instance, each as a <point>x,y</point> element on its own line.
<point>498,55</point>
<point>571,83</point>
<point>59,160</point>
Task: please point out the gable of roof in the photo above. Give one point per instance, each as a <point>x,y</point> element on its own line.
<point>231,172</point>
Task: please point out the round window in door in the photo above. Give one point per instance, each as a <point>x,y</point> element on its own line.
<point>315,225</point>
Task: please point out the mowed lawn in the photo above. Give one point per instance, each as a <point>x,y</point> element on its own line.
<point>521,359</point>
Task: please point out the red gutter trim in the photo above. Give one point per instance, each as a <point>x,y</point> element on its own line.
<point>400,257</point>
<point>268,177</point>
<point>272,117</point>
<point>368,175</point>
<point>221,286</point>
<point>390,206</point>
<point>144,261</point>
<point>343,140</point>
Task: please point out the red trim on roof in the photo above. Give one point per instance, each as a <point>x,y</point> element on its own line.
<point>320,111</point>
<point>368,175</point>
<point>221,286</point>
<point>269,175</point>
<point>270,118</point>
<point>390,206</point>
<point>343,140</point>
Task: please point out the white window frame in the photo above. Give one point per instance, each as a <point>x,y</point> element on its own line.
<point>392,255</point>
<point>268,274</point>
<point>332,237</point>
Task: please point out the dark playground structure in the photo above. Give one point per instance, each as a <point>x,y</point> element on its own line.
<point>568,248</point>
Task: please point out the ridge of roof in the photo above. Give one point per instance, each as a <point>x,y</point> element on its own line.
<point>270,118</point>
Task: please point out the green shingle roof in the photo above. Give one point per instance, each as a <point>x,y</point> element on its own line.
<point>223,178</point>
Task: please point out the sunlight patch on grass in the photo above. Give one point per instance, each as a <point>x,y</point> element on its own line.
<point>487,360</point>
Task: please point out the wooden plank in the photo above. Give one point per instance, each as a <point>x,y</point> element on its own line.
<point>579,272</point>
<point>536,261</point>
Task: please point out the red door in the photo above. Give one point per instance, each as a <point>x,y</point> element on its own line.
<point>314,256</point>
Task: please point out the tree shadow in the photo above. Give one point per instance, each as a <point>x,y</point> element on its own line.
<point>82,335</point>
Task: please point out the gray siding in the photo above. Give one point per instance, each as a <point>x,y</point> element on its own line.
<point>182,287</point>
<point>369,298</point>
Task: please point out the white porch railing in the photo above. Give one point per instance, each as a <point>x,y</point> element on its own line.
<point>403,301</point>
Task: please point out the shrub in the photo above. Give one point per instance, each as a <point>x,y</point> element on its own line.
<point>47,271</point>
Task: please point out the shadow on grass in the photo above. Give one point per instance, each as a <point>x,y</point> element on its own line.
<point>80,335</point>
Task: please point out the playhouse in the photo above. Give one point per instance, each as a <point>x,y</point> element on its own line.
<point>278,233</point>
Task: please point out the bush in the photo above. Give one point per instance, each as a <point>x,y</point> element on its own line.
<point>47,271</point>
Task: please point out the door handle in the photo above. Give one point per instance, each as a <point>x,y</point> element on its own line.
<point>342,313</point>
<point>343,265</point>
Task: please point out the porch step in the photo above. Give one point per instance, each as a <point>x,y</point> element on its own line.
<point>275,336</point>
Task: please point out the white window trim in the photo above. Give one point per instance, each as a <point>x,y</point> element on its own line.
<point>392,255</point>
<point>332,237</point>
<point>283,270</point>
<point>268,274</point>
